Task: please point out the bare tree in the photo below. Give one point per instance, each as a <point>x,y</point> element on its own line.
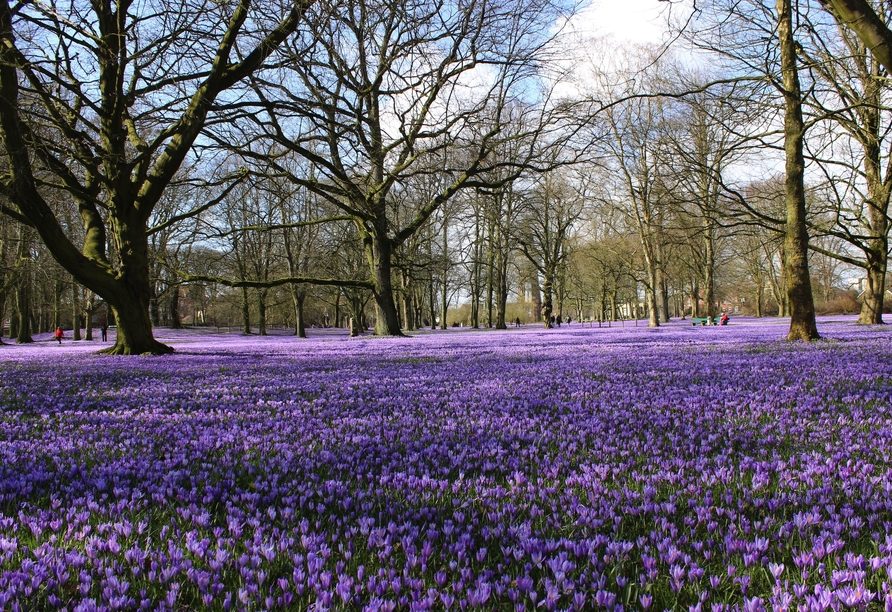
<point>101,105</point>
<point>856,159</point>
<point>551,208</point>
<point>382,95</point>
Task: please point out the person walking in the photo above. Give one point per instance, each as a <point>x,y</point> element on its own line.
<point>104,330</point>
<point>59,335</point>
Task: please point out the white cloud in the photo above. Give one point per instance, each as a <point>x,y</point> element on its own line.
<point>637,21</point>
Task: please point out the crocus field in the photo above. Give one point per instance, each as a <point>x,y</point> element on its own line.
<point>680,468</point>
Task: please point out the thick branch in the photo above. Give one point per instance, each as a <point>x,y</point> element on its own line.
<point>277,282</point>
<point>863,20</point>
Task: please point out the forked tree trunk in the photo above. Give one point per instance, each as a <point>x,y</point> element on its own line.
<point>801,301</point>
<point>128,295</point>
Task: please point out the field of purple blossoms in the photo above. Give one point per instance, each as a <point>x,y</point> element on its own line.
<point>677,468</point>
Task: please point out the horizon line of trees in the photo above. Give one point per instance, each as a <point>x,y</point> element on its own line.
<point>393,156</point>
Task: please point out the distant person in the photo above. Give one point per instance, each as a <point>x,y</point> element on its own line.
<point>104,330</point>
<point>568,320</point>
<point>59,335</point>
<point>558,320</point>
<point>724,319</point>
<point>517,322</point>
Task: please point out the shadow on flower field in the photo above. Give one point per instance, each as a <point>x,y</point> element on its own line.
<point>623,468</point>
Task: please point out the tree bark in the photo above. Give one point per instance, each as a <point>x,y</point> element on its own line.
<point>873,299</point>
<point>650,290</point>
<point>664,298</point>
<point>246,312</point>
<point>57,304</point>
<point>23,313</point>
<point>501,290</point>
<point>709,270</point>
<point>23,292</point>
<point>379,251</point>
<point>547,306</point>
<point>300,328</point>
<point>863,20</point>
<point>261,311</point>
<point>407,302</point>
<point>175,307</point>
<point>801,301</point>
<point>75,313</point>
<point>490,283</point>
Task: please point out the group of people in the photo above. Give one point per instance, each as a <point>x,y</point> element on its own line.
<point>59,335</point>
<point>557,320</point>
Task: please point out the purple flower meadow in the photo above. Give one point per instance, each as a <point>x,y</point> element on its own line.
<point>681,468</point>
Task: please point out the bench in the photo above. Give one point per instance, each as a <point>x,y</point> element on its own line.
<point>703,321</point>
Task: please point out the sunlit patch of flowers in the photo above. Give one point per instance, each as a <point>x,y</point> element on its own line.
<point>683,468</point>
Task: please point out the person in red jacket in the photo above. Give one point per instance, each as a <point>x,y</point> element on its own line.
<point>59,335</point>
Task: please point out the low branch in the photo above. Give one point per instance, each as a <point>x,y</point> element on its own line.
<point>197,210</point>
<point>14,214</point>
<point>838,256</point>
<point>277,282</point>
<point>278,226</point>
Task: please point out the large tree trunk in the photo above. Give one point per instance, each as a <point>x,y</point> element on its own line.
<point>664,298</point>
<point>175,308</point>
<point>128,296</point>
<point>23,312</point>
<point>88,320</point>
<point>444,290</point>
<point>760,292</point>
<point>547,305</point>
<point>355,307</point>
<point>874,294</point>
<point>379,252</point>
<point>261,311</point>
<point>536,296</point>
<point>650,290</point>
<point>57,304</point>
<point>246,312</point>
<point>407,305</point>
<point>23,291</point>
<point>501,291</point>
<point>709,272</point>
<point>490,284</point>
<point>300,328</point>
<point>802,308</point>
